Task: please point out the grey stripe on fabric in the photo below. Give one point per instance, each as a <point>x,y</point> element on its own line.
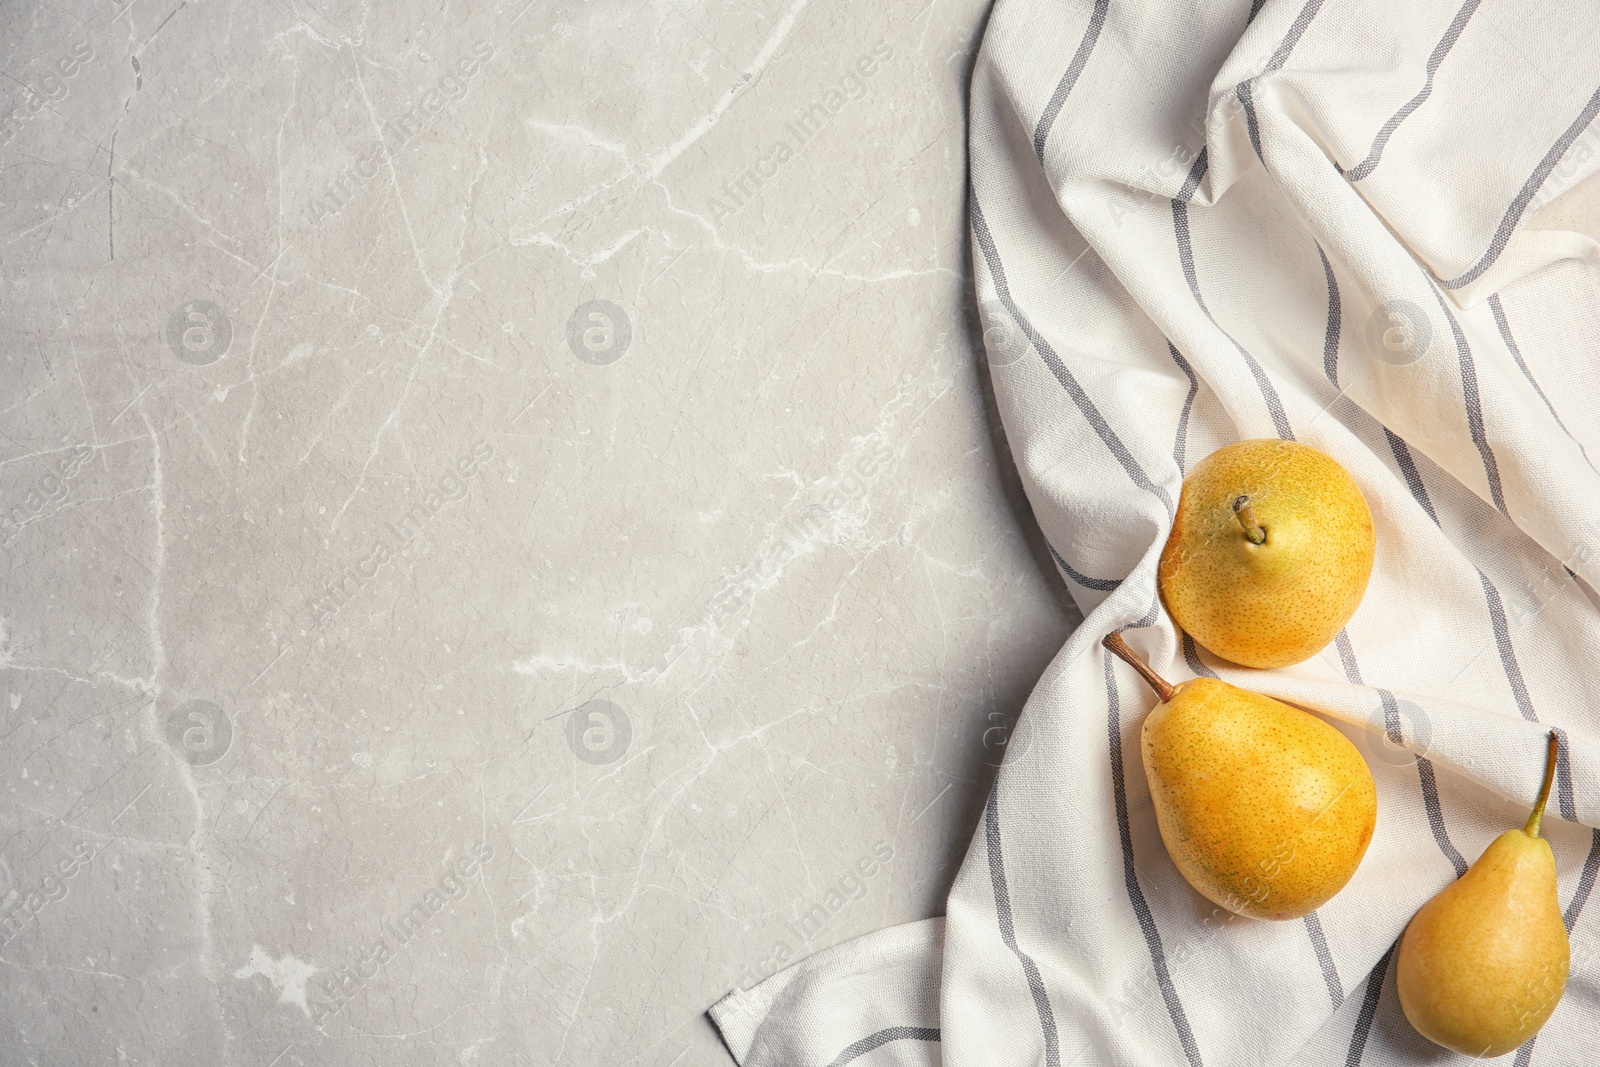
<point>1564,798</point>
<point>1191,181</point>
<point>1369,1008</point>
<point>1002,907</point>
<point>1330,336</point>
<point>1491,595</point>
<point>1100,585</point>
<point>1508,654</point>
<point>1141,908</point>
<point>1499,311</point>
<point>1513,215</point>
<point>1296,30</point>
<point>1568,803</point>
<point>1502,637</point>
<point>1319,945</point>
<point>1440,50</point>
<point>1591,867</point>
<point>1280,56</point>
<point>1394,732</point>
<point>1180,229</point>
<point>1352,671</point>
<point>1474,405</point>
<point>883,1037</point>
<point>1097,21</point>
<point>1430,785</point>
<point>1508,651</point>
<point>1086,406</point>
<point>1408,470</point>
<point>1180,443</point>
<point>1347,656</point>
<point>1251,126</point>
<point>1430,801</point>
<point>1191,656</point>
<point>1504,326</point>
<point>1255,9</point>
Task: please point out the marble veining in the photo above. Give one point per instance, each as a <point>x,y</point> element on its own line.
<point>506,535</point>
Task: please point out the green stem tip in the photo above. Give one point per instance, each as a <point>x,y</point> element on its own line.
<point>1532,829</point>
<point>1254,532</point>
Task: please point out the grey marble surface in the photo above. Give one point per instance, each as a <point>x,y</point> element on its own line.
<point>501,513</point>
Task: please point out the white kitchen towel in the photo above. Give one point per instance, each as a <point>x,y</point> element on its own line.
<point>1300,219</point>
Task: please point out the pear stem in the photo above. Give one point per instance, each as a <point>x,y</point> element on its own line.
<point>1532,829</point>
<point>1120,649</point>
<point>1254,532</point>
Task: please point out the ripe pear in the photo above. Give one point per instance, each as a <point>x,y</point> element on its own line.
<point>1269,554</point>
<point>1264,808</point>
<point>1483,964</point>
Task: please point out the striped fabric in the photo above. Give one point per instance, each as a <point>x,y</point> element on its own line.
<point>1302,219</point>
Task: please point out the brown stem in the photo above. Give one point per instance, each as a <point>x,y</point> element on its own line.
<point>1120,649</point>
<point>1532,829</point>
<point>1254,532</point>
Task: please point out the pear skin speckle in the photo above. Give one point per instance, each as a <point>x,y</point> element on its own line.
<point>1483,964</point>
<point>1264,808</point>
<point>1280,602</point>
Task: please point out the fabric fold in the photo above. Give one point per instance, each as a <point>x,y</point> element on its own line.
<point>1307,220</point>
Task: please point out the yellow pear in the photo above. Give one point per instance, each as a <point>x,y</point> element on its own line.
<point>1484,963</point>
<point>1269,554</point>
<point>1264,808</point>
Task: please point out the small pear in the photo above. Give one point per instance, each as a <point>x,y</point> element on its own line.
<point>1269,554</point>
<point>1484,963</point>
<point>1265,809</point>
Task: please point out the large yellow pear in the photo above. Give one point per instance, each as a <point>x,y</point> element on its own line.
<point>1483,964</point>
<point>1269,554</point>
<point>1264,808</point>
